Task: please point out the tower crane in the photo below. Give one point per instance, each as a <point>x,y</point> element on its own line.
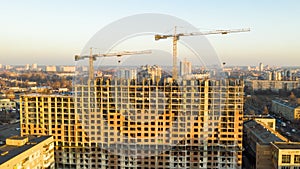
<point>176,36</point>
<point>92,57</point>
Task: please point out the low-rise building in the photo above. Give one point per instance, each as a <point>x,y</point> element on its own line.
<point>271,85</point>
<point>7,104</point>
<point>50,68</point>
<point>67,68</point>
<point>288,110</point>
<point>258,136</point>
<point>27,152</point>
<point>285,155</point>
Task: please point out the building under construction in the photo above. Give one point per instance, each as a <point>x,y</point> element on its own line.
<point>120,123</point>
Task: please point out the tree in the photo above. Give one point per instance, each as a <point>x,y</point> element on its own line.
<point>252,112</point>
<point>266,111</point>
<point>292,97</point>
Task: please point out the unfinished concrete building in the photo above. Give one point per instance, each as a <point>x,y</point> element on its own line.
<point>117,123</point>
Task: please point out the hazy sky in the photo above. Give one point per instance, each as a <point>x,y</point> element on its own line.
<point>51,32</point>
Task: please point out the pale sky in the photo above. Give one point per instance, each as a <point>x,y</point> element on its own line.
<point>52,31</point>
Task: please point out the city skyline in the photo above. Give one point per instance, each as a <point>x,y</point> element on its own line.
<point>52,32</point>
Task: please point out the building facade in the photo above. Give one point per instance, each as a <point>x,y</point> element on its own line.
<point>23,152</point>
<point>50,68</point>
<point>116,123</point>
<point>7,104</point>
<point>185,68</point>
<point>259,134</point>
<point>153,73</point>
<point>286,109</point>
<point>272,85</point>
<point>285,155</point>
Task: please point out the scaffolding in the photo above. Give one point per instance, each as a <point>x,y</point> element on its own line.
<point>119,123</point>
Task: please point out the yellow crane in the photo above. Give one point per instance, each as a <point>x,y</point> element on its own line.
<point>92,57</point>
<point>176,36</point>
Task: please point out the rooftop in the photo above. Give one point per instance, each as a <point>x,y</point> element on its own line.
<point>45,95</point>
<point>286,103</point>
<point>18,137</point>
<point>7,151</point>
<point>264,135</point>
<point>289,145</point>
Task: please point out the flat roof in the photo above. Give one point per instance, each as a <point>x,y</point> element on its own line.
<point>17,137</point>
<point>286,103</point>
<point>17,150</point>
<point>264,135</point>
<point>287,145</point>
<point>45,95</point>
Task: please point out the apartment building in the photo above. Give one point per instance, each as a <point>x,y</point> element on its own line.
<point>259,134</point>
<point>286,155</point>
<point>27,152</point>
<point>117,123</point>
<point>288,110</point>
<point>7,104</point>
<point>272,85</point>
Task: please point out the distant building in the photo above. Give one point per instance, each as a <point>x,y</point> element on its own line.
<point>185,68</point>
<point>26,67</point>
<point>23,152</point>
<point>7,104</point>
<point>272,85</point>
<point>261,67</point>
<point>258,136</point>
<point>7,67</point>
<point>288,110</point>
<point>34,66</point>
<point>65,74</point>
<point>50,68</point>
<point>279,76</point>
<point>126,74</point>
<point>67,68</point>
<point>196,76</point>
<point>268,75</point>
<point>149,73</point>
<point>62,90</point>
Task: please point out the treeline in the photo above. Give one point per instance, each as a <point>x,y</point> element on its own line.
<point>41,78</point>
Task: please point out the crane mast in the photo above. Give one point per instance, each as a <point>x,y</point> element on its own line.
<point>176,37</point>
<point>91,65</point>
<point>92,57</point>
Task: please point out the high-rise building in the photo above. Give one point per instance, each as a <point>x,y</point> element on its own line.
<point>34,66</point>
<point>147,72</point>
<point>26,67</point>
<point>8,67</point>
<point>185,67</point>
<point>261,67</point>
<point>117,123</point>
<point>126,74</point>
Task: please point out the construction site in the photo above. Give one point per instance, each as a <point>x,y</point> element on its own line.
<point>146,122</point>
